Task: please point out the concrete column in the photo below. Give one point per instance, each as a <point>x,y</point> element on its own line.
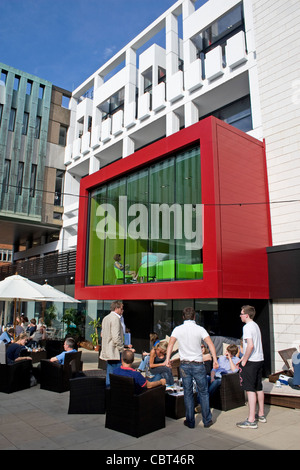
<point>94,165</point>
<point>172,51</point>
<point>130,83</point>
<point>191,113</point>
<point>172,123</point>
<point>128,146</point>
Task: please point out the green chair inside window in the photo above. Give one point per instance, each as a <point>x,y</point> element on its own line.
<point>120,275</point>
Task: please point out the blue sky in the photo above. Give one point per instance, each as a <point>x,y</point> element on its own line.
<point>66,41</point>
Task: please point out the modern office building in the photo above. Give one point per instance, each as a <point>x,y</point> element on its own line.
<point>204,212</point>
<point>34,119</point>
<point>136,137</point>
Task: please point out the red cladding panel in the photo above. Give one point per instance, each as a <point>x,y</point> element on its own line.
<point>236,217</point>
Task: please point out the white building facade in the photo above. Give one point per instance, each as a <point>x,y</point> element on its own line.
<point>225,58</point>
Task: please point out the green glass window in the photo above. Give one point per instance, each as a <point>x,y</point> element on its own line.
<point>147,226</point>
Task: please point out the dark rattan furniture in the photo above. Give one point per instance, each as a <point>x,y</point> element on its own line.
<point>229,395</point>
<point>13,377</point>
<point>87,393</point>
<point>56,377</point>
<point>133,414</point>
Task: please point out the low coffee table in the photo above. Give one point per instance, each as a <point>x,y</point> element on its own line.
<point>175,405</point>
<point>37,356</point>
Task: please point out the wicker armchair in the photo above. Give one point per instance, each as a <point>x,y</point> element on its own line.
<point>133,414</point>
<point>13,377</point>
<point>87,393</point>
<point>56,377</point>
<point>229,395</point>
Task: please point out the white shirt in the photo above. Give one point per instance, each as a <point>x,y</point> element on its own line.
<point>251,330</point>
<point>189,336</point>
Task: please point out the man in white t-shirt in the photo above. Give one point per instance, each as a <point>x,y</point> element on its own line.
<point>189,337</point>
<point>251,365</point>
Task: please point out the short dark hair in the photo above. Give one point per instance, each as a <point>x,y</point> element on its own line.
<point>189,313</point>
<point>128,356</point>
<point>249,310</point>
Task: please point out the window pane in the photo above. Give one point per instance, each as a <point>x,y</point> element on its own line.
<point>189,244</point>
<point>3,77</point>
<point>12,118</point>
<point>115,237</point>
<point>96,240</point>
<point>62,135</point>
<point>37,127</point>
<point>28,87</point>
<point>162,217</point>
<point>148,226</point>
<point>16,83</point>
<point>20,178</point>
<point>41,92</point>
<point>25,123</point>
<point>32,180</point>
<point>137,239</point>
<point>59,187</point>
<point>6,173</point>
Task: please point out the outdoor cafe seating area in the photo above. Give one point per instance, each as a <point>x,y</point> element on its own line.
<point>124,411</point>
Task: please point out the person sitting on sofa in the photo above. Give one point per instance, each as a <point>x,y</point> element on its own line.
<point>144,364</point>
<point>7,336</point>
<point>126,370</point>
<point>17,351</point>
<point>294,382</point>
<point>227,365</point>
<point>69,347</point>
<point>157,363</point>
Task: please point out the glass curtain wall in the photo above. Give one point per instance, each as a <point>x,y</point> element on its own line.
<point>147,226</point>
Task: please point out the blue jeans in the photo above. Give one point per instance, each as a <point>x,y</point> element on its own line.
<point>165,372</point>
<point>188,372</point>
<point>110,366</point>
<point>213,386</point>
<point>144,363</point>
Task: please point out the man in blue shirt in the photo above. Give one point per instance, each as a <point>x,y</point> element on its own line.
<point>294,382</point>
<point>227,365</point>
<point>69,347</point>
<point>7,336</point>
<point>126,370</point>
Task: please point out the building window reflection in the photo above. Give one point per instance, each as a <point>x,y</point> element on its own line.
<point>152,218</point>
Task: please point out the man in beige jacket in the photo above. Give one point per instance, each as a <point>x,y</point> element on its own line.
<point>112,338</point>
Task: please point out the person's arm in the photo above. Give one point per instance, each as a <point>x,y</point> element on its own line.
<point>53,359</point>
<point>21,358</point>
<point>172,341</point>
<point>248,351</point>
<point>233,367</point>
<point>151,361</point>
<point>212,349</point>
<point>156,383</point>
<point>117,334</point>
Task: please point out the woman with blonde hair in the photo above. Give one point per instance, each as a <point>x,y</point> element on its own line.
<point>16,350</point>
<point>158,365</point>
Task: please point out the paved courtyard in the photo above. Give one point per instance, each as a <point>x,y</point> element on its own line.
<point>36,419</point>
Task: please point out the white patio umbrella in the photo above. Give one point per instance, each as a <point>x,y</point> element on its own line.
<point>56,295</point>
<point>18,288</point>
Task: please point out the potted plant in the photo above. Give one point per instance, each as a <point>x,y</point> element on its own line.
<point>50,315</point>
<point>95,335</point>
<point>73,322</point>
